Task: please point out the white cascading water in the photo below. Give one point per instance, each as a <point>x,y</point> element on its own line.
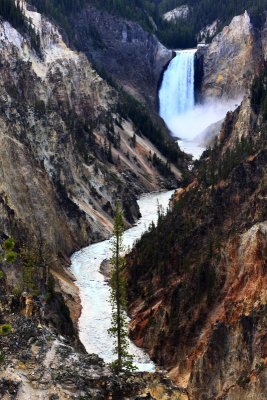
<point>177,97</point>
<point>186,120</point>
<point>177,94</point>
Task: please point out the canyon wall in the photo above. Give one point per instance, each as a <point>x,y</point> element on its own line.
<point>67,152</point>
<point>232,59</point>
<point>132,56</point>
<point>198,281</point>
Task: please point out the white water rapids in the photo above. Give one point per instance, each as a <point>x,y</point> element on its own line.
<point>95,319</point>
<point>186,120</point>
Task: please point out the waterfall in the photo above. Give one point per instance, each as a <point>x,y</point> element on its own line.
<point>176,95</point>
<point>192,123</point>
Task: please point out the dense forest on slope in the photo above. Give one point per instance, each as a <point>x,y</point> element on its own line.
<point>197,278</point>
<point>216,164</point>
<point>182,33</point>
<point>11,11</point>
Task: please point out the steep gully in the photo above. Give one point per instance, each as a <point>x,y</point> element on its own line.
<point>185,120</point>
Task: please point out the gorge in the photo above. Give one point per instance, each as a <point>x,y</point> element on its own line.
<point>79,130</point>
<point>94,290</point>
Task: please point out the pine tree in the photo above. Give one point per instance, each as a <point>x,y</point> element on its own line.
<point>109,155</point>
<point>119,328</point>
<point>134,140</point>
<point>7,256</point>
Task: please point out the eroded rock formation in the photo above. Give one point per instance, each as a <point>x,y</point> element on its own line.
<point>198,286</point>
<point>134,57</point>
<point>232,59</point>
<point>177,13</point>
<point>66,152</point>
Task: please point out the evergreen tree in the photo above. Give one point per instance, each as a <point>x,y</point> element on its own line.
<point>109,155</point>
<point>7,256</point>
<point>134,140</point>
<point>119,328</point>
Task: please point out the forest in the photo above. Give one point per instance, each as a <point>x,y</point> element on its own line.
<point>179,34</point>
<point>11,11</point>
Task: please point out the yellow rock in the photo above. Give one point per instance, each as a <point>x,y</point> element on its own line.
<point>219,78</point>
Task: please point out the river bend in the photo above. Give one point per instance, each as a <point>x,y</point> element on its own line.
<point>95,318</point>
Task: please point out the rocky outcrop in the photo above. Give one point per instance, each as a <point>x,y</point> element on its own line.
<point>177,13</point>
<point>207,33</point>
<point>40,364</point>
<point>198,281</point>
<point>232,60</point>
<point>209,135</point>
<point>132,56</point>
<point>67,154</point>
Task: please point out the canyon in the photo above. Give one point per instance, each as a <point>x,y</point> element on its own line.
<point>66,152</point>
<point>198,281</point>
<point>78,130</point>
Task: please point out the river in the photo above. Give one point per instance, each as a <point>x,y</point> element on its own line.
<point>95,318</point>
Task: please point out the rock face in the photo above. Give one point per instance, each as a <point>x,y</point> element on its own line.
<point>40,364</point>
<point>181,12</point>
<point>132,56</point>
<point>232,59</point>
<point>198,288</point>
<point>209,135</point>
<point>208,32</point>
<point>66,152</point>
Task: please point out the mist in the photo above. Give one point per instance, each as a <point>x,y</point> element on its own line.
<point>197,128</point>
<point>192,125</point>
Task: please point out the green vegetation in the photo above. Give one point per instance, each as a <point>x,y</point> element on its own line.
<point>179,34</point>
<point>214,165</point>
<point>259,93</point>
<point>7,253</point>
<point>163,168</point>
<point>34,263</point>
<point>130,108</point>
<point>119,327</point>
<point>5,329</point>
<point>60,10</point>
<point>183,33</point>
<point>10,10</point>
<point>7,257</point>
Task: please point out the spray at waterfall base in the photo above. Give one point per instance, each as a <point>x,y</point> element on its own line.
<point>194,125</point>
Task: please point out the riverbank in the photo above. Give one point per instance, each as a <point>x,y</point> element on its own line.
<point>41,365</point>
<point>94,290</point>
<point>45,365</point>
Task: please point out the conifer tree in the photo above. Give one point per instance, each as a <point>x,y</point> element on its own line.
<point>119,328</point>
<point>7,256</point>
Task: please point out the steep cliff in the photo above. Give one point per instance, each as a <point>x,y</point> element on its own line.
<point>40,364</point>
<point>69,148</point>
<point>118,45</point>
<point>198,281</point>
<point>232,59</point>
<point>134,57</point>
